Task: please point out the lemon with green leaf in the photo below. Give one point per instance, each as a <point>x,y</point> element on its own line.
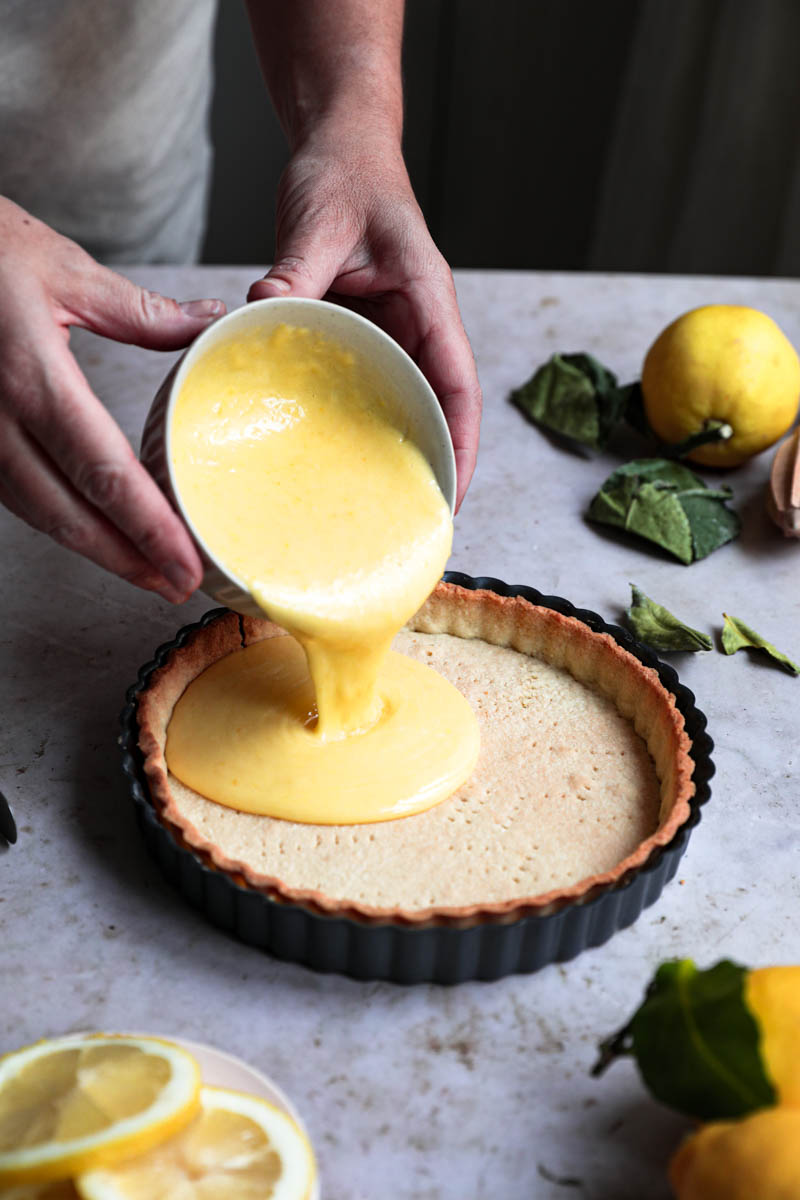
<point>724,375</point>
<point>717,1043</point>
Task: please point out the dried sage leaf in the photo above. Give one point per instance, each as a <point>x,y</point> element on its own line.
<point>574,396</point>
<point>713,524</point>
<point>661,629</point>
<point>666,503</point>
<point>738,636</point>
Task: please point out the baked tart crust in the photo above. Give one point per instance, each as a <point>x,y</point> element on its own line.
<point>519,664</point>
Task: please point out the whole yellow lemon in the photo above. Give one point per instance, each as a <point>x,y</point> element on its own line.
<point>757,1158</point>
<point>725,364</point>
<point>772,994</point>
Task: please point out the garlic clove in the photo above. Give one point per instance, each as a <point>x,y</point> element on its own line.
<point>783,493</point>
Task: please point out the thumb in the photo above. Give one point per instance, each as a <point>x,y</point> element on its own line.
<point>305,265</point>
<point>114,307</point>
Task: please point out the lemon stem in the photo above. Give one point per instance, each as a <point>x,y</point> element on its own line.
<point>712,431</point>
<point>618,1045</point>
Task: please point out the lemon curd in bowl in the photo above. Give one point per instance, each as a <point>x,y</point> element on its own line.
<point>291,459</point>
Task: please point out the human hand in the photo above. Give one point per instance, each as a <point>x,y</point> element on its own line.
<point>65,466</point>
<point>350,229</point>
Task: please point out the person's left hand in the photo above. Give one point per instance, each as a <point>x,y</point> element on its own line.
<point>350,229</point>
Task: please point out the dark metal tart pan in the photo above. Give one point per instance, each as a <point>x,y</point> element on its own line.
<point>433,954</point>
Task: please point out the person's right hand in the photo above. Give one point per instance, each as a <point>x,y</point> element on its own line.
<point>65,466</point>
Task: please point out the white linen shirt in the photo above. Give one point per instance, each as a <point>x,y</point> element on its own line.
<point>103,121</point>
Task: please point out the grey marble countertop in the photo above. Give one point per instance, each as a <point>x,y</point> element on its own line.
<point>427,1093</point>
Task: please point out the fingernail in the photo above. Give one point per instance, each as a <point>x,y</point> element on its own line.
<point>166,593</point>
<point>181,579</point>
<point>202,308</point>
<point>275,281</point>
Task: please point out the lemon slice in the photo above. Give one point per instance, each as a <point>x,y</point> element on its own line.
<point>238,1147</point>
<point>73,1103</point>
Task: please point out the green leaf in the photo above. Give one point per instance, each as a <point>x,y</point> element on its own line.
<point>634,410</point>
<point>574,396</point>
<point>696,1043</point>
<point>612,400</point>
<point>668,504</point>
<point>738,636</point>
<point>713,523</point>
<point>659,470</point>
<point>655,513</point>
<point>659,628</point>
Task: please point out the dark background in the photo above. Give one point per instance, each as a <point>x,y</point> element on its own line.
<point>518,112</point>
<point>482,80</point>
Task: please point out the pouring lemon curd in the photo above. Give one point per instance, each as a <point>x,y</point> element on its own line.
<point>290,457</point>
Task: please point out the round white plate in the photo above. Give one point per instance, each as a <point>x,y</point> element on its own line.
<point>223,1070</point>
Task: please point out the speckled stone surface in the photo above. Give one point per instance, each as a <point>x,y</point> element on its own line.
<point>425,1093</point>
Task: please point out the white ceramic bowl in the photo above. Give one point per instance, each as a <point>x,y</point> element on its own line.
<point>422,413</point>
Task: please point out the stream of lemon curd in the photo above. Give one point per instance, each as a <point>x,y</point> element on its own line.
<point>290,458</point>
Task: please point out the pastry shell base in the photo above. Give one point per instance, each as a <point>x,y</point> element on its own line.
<point>595,658</point>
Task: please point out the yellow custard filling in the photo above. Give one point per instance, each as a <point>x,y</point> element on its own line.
<point>289,456</point>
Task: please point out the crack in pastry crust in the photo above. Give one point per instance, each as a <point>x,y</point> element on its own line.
<point>567,710</point>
